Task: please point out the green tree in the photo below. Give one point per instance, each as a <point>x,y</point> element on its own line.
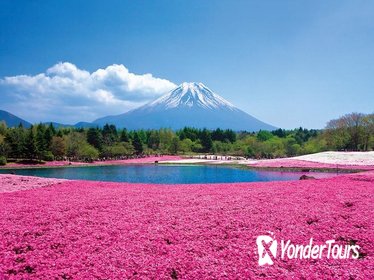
<point>166,137</point>
<point>368,136</point>
<point>314,145</point>
<point>129,148</point>
<point>3,128</point>
<point>4,148</point>
<point>73,142</point>
<point>281,133</point>
<point>138,144</point>
<point>264,135</point>
<point>49,133</point>
<point>206,140</point>
<point>109,133</point>
<point>292,148</point>
<point>229,136</point>
<point>31,150</point>
<point>154,140</point>
<point>174,146</point>
<point>15,140</point>
<point>188,132</point>
<point>197,147</point>
<point>218,135</point>
<point>347,132</point>
<point>58,146</point>
<point>87,152</point>
<point>41,143</point>
<point>95,138</point>
<point>250,153</point>
<point>185,146</point>
<point>124,136</point>
<point>221,147</point>
<point>118,150</point>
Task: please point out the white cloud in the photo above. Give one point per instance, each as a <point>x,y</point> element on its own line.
<point>65,93</point>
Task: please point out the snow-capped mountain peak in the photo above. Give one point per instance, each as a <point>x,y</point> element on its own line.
<point>191,95</point>
<point>188,105</point>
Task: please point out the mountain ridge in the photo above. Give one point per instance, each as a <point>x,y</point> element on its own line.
<point>12,120</point>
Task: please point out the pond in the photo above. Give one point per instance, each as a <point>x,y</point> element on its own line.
<point>165,174</point>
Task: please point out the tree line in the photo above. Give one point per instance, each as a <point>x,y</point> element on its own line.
<point>45,142</point>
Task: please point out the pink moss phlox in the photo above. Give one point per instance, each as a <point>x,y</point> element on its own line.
<point>294,163</point>
<point>96,230</point>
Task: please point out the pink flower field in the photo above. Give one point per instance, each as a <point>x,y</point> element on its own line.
<point>12,183</point>
<point>295,163</point>
<point>99,230</point>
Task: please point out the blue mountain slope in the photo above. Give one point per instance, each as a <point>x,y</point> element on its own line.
<point>12,120</point>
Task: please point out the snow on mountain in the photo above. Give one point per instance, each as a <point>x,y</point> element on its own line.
<point>189,95</point>
<point>190,104</point>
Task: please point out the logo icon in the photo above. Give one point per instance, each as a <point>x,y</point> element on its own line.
<point>266,245</point>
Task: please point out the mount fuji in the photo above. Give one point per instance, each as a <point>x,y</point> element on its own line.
<point>190,104</point>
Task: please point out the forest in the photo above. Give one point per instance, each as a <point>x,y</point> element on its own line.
<point>44,142</point>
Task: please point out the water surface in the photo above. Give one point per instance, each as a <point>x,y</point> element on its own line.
<point>165,174</point>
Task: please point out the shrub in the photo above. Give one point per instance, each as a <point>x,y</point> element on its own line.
<point>48,156</point>
<point>88,152</point>
<point>2,160</point>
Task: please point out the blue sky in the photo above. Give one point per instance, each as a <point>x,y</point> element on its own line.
<point>288,63</point>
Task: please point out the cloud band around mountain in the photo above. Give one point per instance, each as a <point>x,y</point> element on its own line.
<point>65,93</point>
